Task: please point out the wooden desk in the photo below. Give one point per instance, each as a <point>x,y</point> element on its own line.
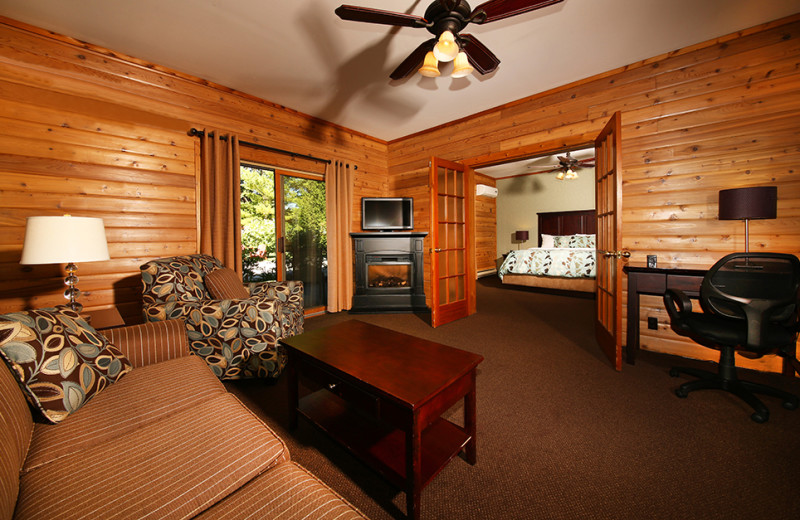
<point>655,281</point>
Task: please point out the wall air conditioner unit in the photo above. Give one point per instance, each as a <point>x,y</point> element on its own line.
<point>482,190</point>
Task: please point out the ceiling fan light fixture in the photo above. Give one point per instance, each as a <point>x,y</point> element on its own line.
<point>461,67</point>
<point>571,174</point>
<point>560,175</point>
<point>430,68</point>
<point>446,49</point>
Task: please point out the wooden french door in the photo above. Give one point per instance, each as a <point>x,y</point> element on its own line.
<point>452,279</point>
<point>608,196</point>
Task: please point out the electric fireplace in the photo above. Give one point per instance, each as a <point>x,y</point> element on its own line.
<point>388,272</point>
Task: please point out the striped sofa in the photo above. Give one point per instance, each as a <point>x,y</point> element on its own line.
<point>164,441</point>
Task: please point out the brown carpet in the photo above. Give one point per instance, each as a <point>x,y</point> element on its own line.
<point>561,435</point>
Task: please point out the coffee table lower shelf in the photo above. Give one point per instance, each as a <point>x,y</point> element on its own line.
<point>380,445</point>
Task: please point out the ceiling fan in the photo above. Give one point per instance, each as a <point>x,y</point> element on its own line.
<point>567,164</point>
<point>445,19</point>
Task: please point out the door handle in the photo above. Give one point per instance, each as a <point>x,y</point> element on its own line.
<point>437,250</point>
<point>617,254</point>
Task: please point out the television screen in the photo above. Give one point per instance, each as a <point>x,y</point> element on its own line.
<point>387,213</point>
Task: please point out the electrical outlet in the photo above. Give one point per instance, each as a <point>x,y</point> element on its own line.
<point>652,323</point>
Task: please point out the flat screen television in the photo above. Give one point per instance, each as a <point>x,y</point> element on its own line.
<point>387,213</point>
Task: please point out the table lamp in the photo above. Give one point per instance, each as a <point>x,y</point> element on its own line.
<point>759,202</point>
<point>67,239</point>
<point>521,236</point>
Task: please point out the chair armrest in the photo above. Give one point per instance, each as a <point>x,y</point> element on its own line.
<point>677,303</point>
<point>152,342</point>
<point>289,292</point>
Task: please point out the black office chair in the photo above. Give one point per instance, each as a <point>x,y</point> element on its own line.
<point>750,303</point>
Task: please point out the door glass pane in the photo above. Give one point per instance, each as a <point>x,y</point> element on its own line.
<point>305,237</point>
<point>259,258</point>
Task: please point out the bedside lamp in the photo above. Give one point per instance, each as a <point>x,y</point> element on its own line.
<point>67,239</point>
<point>760,202</point>
<point>521,236</point>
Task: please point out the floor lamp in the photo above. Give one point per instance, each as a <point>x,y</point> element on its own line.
<point>67,239</point>
<point>759,202</point>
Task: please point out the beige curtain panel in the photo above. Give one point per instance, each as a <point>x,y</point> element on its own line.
<point>339,196</point>
<point>220,222</point>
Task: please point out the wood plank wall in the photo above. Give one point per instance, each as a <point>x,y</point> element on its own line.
<point>719,114</point>
<point>89,132</point>
<point>485,227</point>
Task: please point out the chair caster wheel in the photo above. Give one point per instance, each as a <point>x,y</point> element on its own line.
<point>673,372</point>
<point>790,405</point>
<point>680,392</point>
<point>760,418</point>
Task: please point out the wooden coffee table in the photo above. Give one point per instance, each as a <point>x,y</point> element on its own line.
<point>382,394</point>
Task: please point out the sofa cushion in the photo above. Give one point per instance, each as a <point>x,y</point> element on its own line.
<point>287,491</point>
<point>225,284</point>
<point>60,361</point>
<point>16,426</point>
<point>147,395</point>
<point>173,468</point>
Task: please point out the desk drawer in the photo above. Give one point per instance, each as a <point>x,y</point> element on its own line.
<point>688,284</point>
<point>360,398</point>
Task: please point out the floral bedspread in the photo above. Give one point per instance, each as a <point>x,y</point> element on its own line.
<point>566,262</point>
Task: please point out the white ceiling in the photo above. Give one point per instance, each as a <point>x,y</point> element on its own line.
<point>299,54</point>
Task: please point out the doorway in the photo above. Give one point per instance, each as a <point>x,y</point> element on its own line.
<point>608,211</point>
<point>532,185</point>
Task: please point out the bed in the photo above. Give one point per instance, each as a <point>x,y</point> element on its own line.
<point>565,258</point>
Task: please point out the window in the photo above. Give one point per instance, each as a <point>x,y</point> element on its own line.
<point>284,235</point>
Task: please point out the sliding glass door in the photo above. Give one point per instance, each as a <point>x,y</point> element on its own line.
<point>284,231</point>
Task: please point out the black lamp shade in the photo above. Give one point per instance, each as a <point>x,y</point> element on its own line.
<point>759,202</point>
<point>522,236</point>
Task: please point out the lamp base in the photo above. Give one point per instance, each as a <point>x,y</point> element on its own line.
<point>72,293</point>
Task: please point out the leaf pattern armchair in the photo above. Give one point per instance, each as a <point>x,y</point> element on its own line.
<point>238,338</point>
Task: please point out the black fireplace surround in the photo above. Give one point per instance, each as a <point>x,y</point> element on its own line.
<point>388,272</point>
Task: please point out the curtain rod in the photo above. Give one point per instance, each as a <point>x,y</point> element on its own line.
<point>196,132</point>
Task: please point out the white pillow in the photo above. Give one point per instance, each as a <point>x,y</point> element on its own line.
<point>548,242</point>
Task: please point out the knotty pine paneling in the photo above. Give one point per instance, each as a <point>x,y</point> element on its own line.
<point>485,227</point>
<point>719,114</point>
<point>87,131</point>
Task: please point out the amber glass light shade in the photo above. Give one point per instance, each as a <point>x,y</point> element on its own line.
<point>461,67</point>
<point>446,48</point>
<point>431,66</point>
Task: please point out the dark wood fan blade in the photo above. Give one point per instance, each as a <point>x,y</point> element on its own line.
<point>494,10</point>
<point>369,15</point>
<point>479,56</point>
<point>413,61</point>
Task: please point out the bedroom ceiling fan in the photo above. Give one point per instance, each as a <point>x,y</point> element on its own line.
<point>568,166</point>
<point>445,19</point>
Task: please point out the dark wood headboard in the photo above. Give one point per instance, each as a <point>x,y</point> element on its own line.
<point>581,221</point>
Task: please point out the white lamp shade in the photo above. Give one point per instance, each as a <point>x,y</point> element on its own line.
<point>60,240</point>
